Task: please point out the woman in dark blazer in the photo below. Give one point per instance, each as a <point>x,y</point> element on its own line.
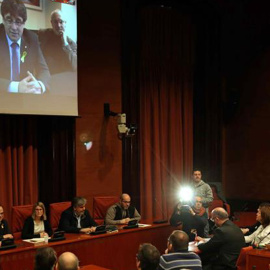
<point>37,225</point>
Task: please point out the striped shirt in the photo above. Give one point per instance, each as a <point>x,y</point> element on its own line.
<point>180,260</point>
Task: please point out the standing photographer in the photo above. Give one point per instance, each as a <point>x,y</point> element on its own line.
<point>192,219</point>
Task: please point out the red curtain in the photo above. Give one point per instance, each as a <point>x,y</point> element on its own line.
<point>18,162</point>
<point>166,98</point>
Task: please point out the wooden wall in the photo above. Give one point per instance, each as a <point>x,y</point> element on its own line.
<point>98,170</point>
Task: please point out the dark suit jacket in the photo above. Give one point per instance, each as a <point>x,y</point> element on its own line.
<point>34,60</point>
<point>28,229</point>
<point>225,246</point>
<point>68,222</point>
<point>4,228</point>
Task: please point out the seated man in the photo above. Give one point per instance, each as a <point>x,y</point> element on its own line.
<point>59,50</point>
<point>122,212</point>
<point>4,230</point>
<point>45,258</point>
<point>193,219</point>
<point>177,255</point>
<point>76,218</point>
<point>68,261</point>
<point>221,251</point>
<point>147,257</point>
<point>23,68</point>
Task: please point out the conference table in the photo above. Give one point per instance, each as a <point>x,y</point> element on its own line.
<point>115,250</point>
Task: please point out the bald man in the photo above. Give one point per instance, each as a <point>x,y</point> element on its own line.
<point>221,251</point>
<point>59,50</point>
<point>177,255</point>
<point>122,212</point>
<point>67,261</point>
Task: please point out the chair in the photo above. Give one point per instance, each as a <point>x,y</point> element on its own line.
<point>100,206</point>
<point>18,216</point>
<point>218,202</point>
<point>241,261</point>
<point>56,210</point>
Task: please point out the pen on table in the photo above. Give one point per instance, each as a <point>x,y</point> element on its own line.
<point>34,79</point>
<point>31,75</point>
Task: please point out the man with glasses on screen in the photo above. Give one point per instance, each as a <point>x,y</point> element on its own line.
<point>59,50</point>
<point>22,65</point>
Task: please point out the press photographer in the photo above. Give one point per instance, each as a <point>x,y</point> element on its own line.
<point>191,219</point>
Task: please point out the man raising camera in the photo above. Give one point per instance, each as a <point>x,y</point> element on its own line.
<point>191,219</point>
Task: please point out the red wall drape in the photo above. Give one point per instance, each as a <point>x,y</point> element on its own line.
<point>18,161</point>
<point>166,75</point>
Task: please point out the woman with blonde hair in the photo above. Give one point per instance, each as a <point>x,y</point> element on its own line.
<point>37,225</point>
<point>261,236</point>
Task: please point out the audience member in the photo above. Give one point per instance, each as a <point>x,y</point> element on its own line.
<point>20,53</point>
<point>222,250</point>
<point>147,257</point>
<point>192,219</point>
<point>4,229</point>
<point>122,212</point>
<point>59,50</point>
<point>177,255</point>
<point>67,261</point>
<point>37,224</point>
<point>45,259</point>
<point>262,235</point>
<point>76,218</point>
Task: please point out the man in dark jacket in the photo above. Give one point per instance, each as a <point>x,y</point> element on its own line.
<point>76,219</point>
<point>221,251</point>
<point>122,212</point>
<point>4,230</point>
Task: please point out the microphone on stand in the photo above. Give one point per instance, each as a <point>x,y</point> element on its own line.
<point>257,246</point>
<point>160,221</point>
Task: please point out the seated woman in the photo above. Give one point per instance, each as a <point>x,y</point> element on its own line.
<point>4,230</point>
<point>37,225</point>
<point>262,235</point>
<point>192,219</point>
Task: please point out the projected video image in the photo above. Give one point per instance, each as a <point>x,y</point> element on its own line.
<point>38,57</point>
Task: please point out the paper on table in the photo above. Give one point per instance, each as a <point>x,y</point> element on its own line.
<point>34,240</point>
<point>143,225</point>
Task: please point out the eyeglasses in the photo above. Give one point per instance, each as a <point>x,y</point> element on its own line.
<point>17,22</point>
<point>58,21</point>
<point>39,209</point>
<point>126,201</point>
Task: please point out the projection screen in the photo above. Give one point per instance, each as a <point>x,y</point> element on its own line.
<point>38,75</point>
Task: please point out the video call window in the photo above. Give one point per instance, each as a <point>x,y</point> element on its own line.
<point>38,57</point>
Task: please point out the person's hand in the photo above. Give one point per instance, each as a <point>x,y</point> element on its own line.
<point>124,221</point>
<point>43,234</point>
<point>196,250</point>
<point>85,230</point>
<point>244,230</point>
<point>93,229</point>
<point>198,239</point>
<point>8,236</point>
<point>29,86</point>
<point>166,251</point>
<point>64,38</point>
<point>191,211</point>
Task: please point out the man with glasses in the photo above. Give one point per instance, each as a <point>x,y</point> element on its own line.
<point>59,50</point>
<point>4,230</point>
<point>22,65</point>
<point>222,250</point>
<point>122,212</point>
<point>191,219</point>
